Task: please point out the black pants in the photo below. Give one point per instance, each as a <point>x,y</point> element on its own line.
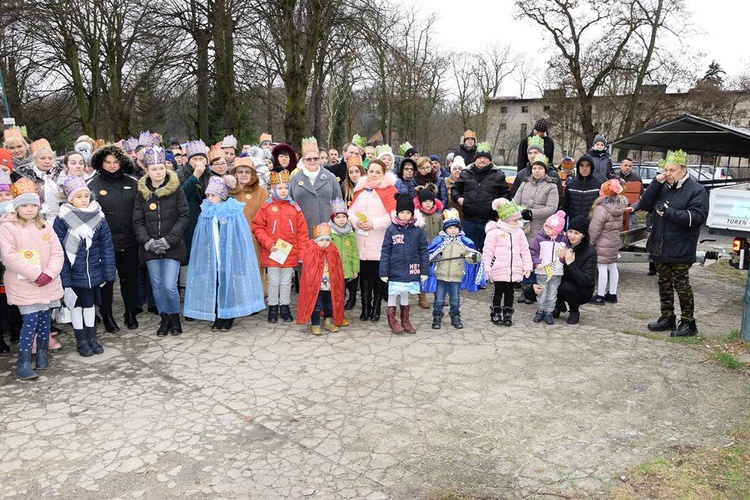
<point>572,294</point>
<point>503,294</point>
<point>126,262</point>
<point>323,304</point>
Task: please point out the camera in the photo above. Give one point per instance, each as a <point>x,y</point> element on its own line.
<point>661,206</point>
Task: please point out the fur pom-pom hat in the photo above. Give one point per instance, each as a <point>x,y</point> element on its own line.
<point>555,223</point>
<point>506,210</point>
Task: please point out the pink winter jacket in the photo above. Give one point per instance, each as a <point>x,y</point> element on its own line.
<point>506,252</point>
<point>19,246</point>
<point>372,204</point>
<point>605,228</point>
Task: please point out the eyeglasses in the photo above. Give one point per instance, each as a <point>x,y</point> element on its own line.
<point>313,158</point>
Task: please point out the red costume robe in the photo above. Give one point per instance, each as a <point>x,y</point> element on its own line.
<point>313,260</point>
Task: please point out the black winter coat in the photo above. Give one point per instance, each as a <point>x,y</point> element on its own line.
<point>478,188</point>
<point>582,271</point>
<point>602,163</point>
<point>469,155</point>
<point>581,192</point>
<point>161,212</point>
<point>674,235</point>
<point>403,256</point>
<point>523,150</point>
<point>116,193</point>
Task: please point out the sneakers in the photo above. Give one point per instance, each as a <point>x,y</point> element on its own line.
<point>685,329</point>
<point>548,319</point>
<point>598,300</point>
<point>610,297</point>
<point>538,316</point>
<point>663,324</point>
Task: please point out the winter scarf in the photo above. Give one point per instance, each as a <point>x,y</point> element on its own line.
<point>82,222</point>
<point>341,231</point>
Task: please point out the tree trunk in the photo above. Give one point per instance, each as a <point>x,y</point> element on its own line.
<point>223,37</point>
<point>202,85</point>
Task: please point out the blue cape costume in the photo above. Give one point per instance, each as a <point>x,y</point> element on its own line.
<point>474,278</point>
<point>222,265</point>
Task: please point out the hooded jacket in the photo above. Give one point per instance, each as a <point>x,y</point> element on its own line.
<point>479,187</point>
<point>161,212</point>
<point>581,192</point>
<point>116,193</point>
<point>404,255</point>
<point>582,271</point>
<point>602,163</point>
<point>506,252</point>
<point>468,154</point>
<point>605,227</point>
<point>541,197</point>
<point>280,219</point>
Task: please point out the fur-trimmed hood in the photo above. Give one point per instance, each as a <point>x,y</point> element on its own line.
<point>97,159</point>
<point>389,179</point>
<point>146,191</point>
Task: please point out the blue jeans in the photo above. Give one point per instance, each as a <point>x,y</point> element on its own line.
<point>322,304</point>
<point>474,230</point>
<point>451,288</point>
<point>163,274</point>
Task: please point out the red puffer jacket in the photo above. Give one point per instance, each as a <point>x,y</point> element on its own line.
<point>280,219</point>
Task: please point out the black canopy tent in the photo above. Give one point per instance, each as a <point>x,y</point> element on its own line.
<point>692,134</point>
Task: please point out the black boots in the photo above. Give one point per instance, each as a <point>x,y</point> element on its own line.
<point>91,338</point>
<point>437,319</point>
<point>286,314</point>
<point>174,324</point>
<point>82,344</point>
<point>377,299</point>
<point>574,317</point>
<point>497,316</point>
<point>351,287</point>
<point>3,346</point>
<point>164,325</point>
<point>130,320</point>
<point>273,314</point>
<point>684,329</point>
<point>456,321</point>
<point>366,288</point>
<point>109,323</point>
<point>508,316</point>
<point>663,324</point>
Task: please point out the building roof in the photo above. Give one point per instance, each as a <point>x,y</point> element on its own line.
<point>693,134</point>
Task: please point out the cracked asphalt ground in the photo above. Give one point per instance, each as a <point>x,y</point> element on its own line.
<point>270,411</point>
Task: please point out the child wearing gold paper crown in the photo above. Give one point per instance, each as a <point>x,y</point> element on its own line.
<point>321,287</point>
<point>281,231</point>
<point>33,259</point>
<point>89,259</point>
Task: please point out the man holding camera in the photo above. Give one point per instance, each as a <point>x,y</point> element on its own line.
<point>680,207</point>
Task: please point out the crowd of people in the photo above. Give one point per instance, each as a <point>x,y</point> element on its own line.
<point>237,228</point>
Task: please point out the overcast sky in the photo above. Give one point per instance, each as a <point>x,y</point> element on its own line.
<point>470,26</point>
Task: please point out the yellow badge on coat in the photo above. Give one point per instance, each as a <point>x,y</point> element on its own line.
<point>301,183</point>
<point>45,237</point>
<point>248,196</point>
<point>274,209</point>
<point>347,243</point>
<point>103,192</point>
<point>152,206</point>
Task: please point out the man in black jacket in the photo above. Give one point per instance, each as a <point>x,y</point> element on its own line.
<point>540,129</point>
<point>680,207</point>
<point>475,190</point>
<point>339,169</point>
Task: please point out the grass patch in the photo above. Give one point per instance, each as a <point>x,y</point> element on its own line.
<point>727,360</point>
<point>641,315</point>
<point>726,271</point>
<point>689,472</point>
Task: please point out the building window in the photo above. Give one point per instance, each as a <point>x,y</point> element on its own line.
<point>503,126</point>
<point>547,109</point>
<point>524,109</point>
<point>504,109</point>
<point>524,129</point>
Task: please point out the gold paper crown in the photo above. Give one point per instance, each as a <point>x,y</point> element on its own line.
<point>215,152</point>
<point>39,144</point>
<point>12,132</point>
<point>244,161</point>
<point>279,177</point>
<point>469,134</point>
<point>264,138</point>
<point>23,186</point>
<point>540,158</point>
<point>676,158</point>
<point>323,229</point>
<point>567,163</point>
<point>353,160</point>
<point>309,145</point>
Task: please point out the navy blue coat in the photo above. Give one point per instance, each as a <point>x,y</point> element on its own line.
<point>581,192</point>
<point>403,256</point>
<point>92,267</point>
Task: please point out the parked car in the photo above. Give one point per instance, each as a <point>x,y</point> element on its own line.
<point>510,173</point>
